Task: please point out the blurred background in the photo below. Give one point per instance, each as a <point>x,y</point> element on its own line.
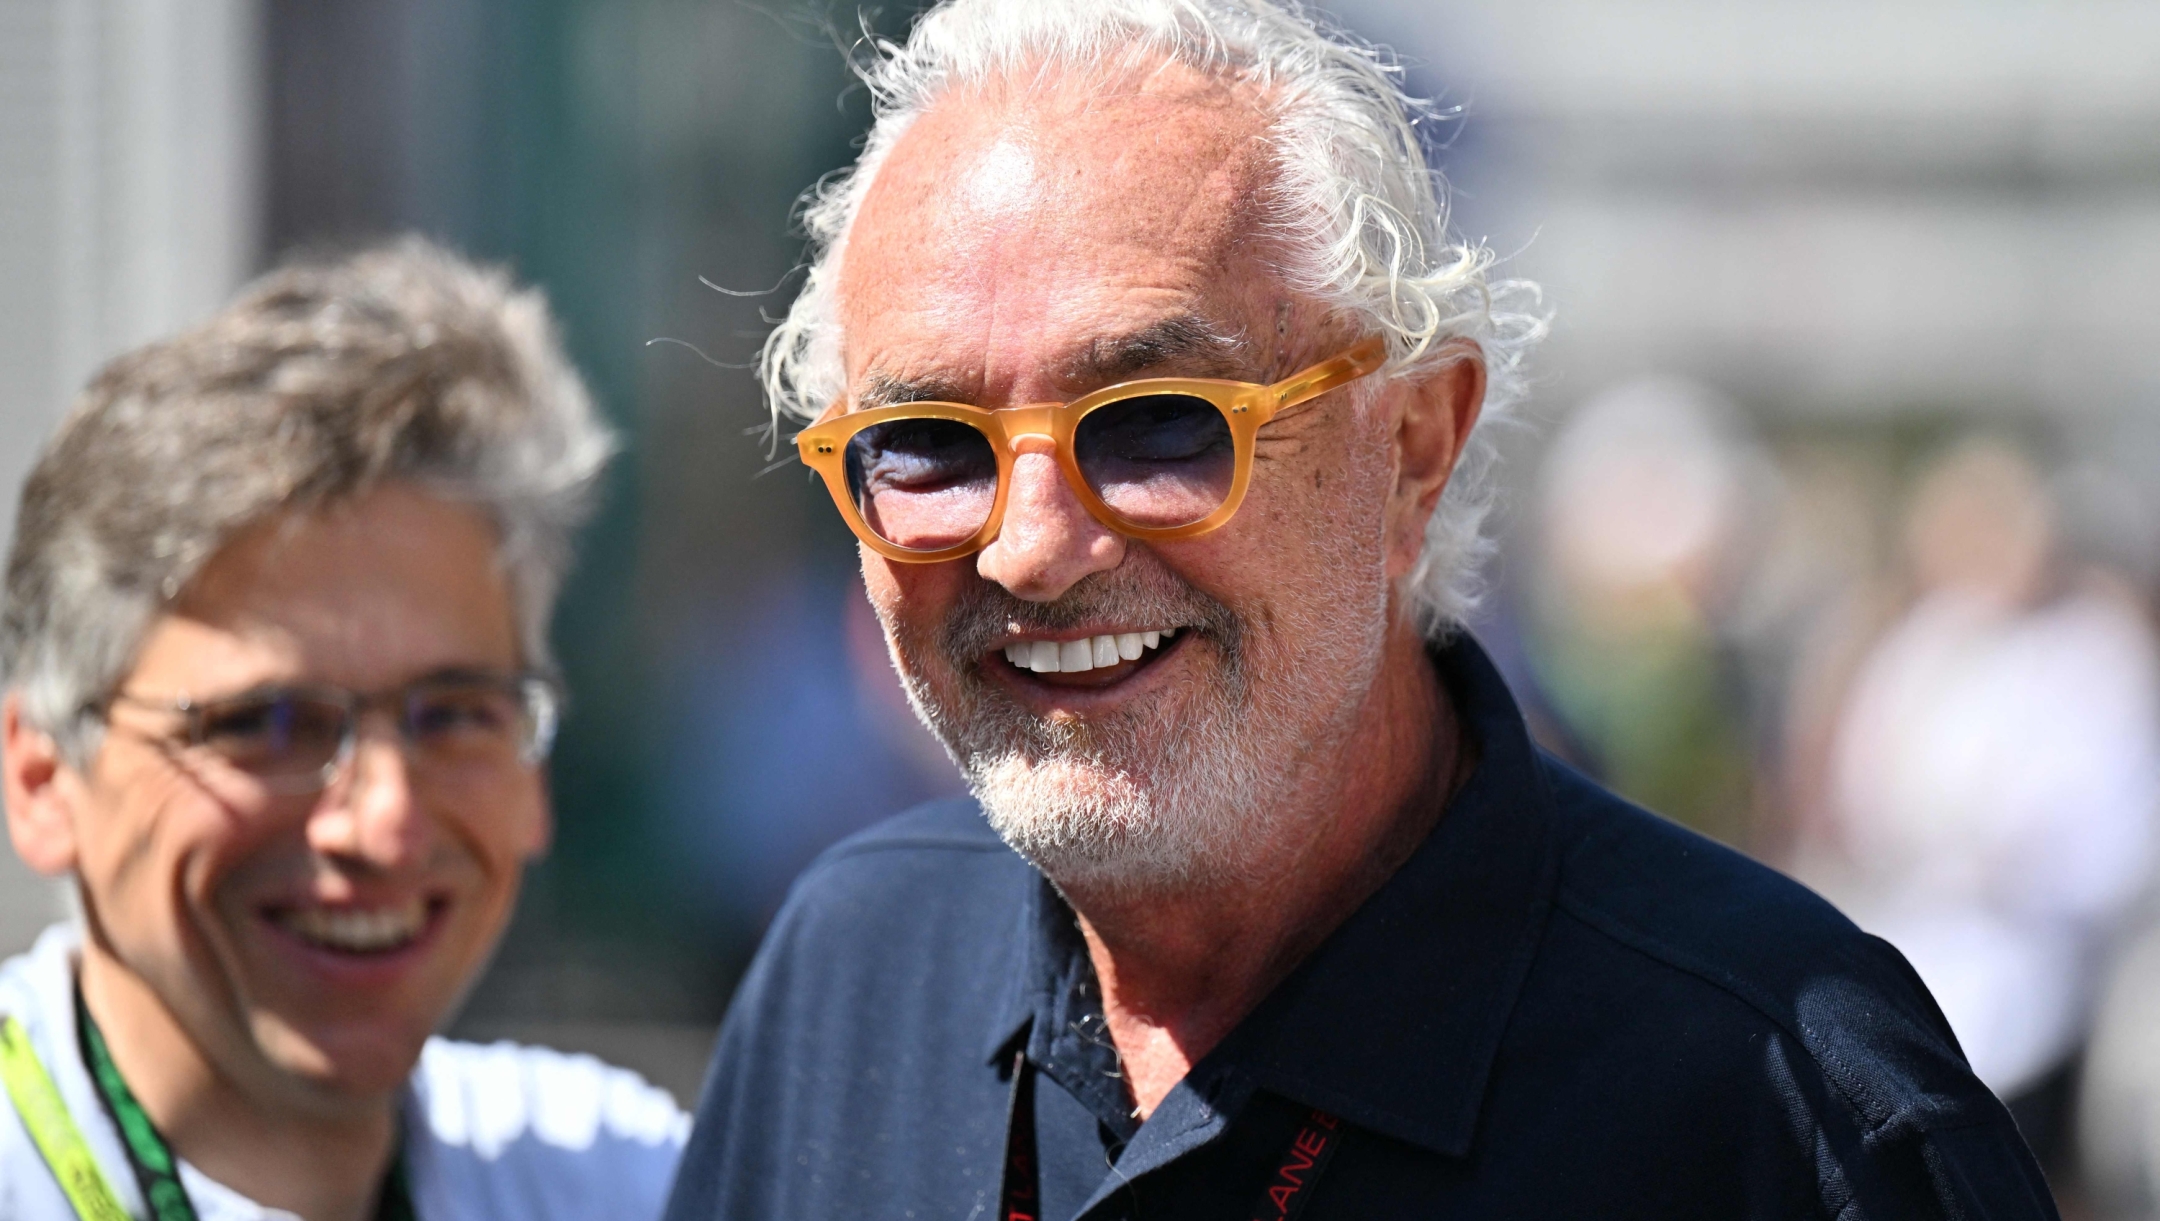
<point>1832,528</point>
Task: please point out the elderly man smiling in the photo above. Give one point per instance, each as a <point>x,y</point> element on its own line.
<point>1141,362</point>
<point>276,653</point>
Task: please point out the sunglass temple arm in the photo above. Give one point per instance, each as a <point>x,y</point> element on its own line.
<point>1326,376</point>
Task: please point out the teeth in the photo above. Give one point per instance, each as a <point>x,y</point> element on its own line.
<point>356,930</point>
<point>1074,656</point>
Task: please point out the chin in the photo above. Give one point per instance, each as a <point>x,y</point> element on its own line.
<point>1092,827</point>
<point>354,1061</point>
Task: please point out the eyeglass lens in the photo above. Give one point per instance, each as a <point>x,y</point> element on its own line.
<point>1158,461</point>
<point>922,484</point>
<point>295,735</point>
<point>278,734</point>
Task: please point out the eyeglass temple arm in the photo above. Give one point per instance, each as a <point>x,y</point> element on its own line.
<point>1327,375</point>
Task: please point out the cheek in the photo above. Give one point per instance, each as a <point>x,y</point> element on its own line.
<point>508,828</point>
<point>171,882</point>
<point>152,842</point>
<point>912,601</point>
<point>884,584</point>
<point>1346,514</point>
<point>1310,536</point>
<point>536,824</point>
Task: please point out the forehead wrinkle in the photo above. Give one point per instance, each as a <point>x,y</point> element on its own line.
<point>1189,344</point>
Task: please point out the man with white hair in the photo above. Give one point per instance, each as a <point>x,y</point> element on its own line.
<point>1138,356</point>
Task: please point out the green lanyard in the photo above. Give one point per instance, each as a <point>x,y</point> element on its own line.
<point>157,1172</point>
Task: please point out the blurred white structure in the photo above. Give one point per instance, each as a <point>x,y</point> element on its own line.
<point>1998,780</point>
<point>1821,206</point>
<point>128,208</point>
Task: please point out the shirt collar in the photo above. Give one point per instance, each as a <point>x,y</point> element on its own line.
<point>1393,1023</point>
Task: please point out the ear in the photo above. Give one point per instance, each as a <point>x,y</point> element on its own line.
<point>1434,414</point>
<point>543,828</point>
<point>42,791</point>
<point>536,821</point>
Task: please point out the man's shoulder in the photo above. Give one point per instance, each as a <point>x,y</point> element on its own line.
<point>866,1020</point>
<point>945,842</point>
<point>901,941</point>
<point>1687,899</point>
<point>946,825</point>
<point>930,889</point>
<point>1672,902</point>
<point>513,1130</point>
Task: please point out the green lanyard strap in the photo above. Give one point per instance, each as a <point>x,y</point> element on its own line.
<point>156,1170</point>
<point>53,1130</point>
<point>45,1114</point>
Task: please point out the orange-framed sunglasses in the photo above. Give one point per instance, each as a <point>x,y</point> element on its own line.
<point>1159,458</point>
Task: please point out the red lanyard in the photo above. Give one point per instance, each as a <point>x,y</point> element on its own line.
<point>1282,1199</point>
<point>1020,1195</point>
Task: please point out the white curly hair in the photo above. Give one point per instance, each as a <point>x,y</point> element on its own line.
<point>1363,217</point>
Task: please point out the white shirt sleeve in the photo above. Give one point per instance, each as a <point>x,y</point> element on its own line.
<point>504,1131</point>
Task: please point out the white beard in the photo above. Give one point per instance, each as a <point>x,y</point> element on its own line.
<point>1117,814</point>
<point>1189,789</point>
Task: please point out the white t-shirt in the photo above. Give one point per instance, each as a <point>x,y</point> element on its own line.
<point>1997,776</point>
<point>493,1133</point>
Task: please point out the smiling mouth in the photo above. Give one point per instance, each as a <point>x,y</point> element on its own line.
<point>1104,658</point>
<point>358,930</point>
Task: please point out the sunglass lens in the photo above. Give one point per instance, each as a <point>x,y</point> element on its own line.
<point>278,735</point>
<point>922,484</point>
<point>1158,460</point>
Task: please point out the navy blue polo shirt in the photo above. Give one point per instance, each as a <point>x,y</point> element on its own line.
<point>1561,1006</point>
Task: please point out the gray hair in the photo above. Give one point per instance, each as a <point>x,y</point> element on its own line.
<point>1363,218</point>
<point>403,363</point>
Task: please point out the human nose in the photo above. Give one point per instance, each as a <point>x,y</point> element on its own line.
<point>1048,540</point>
<point>371,811</point>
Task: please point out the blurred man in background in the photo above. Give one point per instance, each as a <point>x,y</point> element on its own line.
<point>1648,504</point>
<point>1146,371</point>
<point>278,697</point>
<point>1993,776</point>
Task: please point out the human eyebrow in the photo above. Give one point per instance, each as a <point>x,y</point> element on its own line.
<point>1192,344</point>
<point>885,390</point>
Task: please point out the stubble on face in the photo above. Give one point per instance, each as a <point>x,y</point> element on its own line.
<point>1094,799</point>
<point>1187,786</point>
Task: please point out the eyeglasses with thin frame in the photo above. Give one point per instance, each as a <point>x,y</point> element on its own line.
<point>297,737</point>
<point>1160,458</point>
